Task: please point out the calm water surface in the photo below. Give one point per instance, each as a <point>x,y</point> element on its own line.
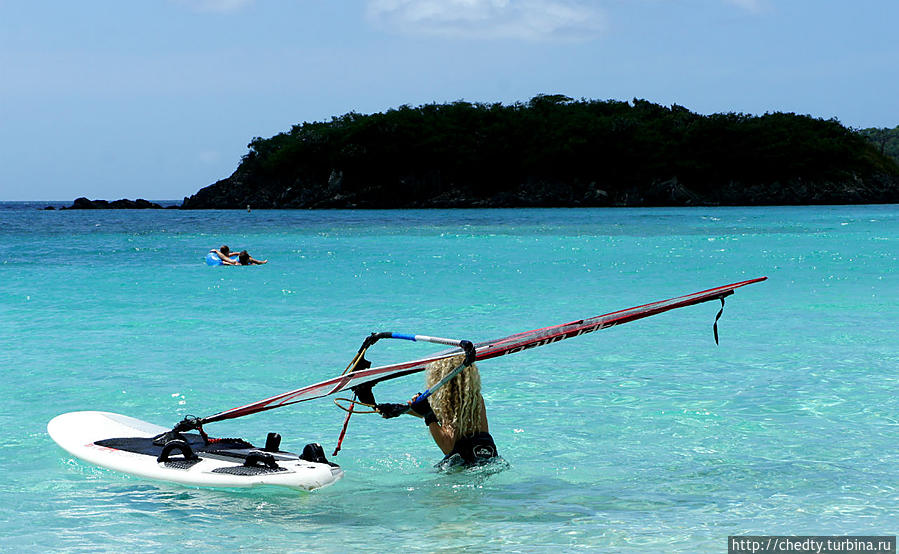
<point>641,438</point>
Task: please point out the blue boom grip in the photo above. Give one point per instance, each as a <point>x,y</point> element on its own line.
<point>402,336</point>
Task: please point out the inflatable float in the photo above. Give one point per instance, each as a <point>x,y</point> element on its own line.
<point>213,259</point>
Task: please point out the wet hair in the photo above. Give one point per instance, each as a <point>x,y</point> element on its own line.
<point>244,258</point>
<point>224,249</point>
<point>457,403</point>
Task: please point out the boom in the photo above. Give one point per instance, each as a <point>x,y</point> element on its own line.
<point>484,350</point>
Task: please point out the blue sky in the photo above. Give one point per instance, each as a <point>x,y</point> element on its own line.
<point>158,98</point>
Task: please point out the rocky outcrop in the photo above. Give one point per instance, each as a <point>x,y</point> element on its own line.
<point>83,203</point>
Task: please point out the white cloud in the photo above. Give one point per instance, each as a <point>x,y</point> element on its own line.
<point>518,19</point>
<point>216,6</point>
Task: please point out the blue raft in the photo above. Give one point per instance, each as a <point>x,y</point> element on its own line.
<point>213,259</point>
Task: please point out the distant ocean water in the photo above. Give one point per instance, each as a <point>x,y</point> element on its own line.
<point>641,438</point>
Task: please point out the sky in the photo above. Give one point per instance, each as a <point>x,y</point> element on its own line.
<point>156,99</point>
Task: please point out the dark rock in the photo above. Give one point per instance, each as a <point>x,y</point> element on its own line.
<point>83,203</point>
<point>139,204</point>
<point>244,188</point>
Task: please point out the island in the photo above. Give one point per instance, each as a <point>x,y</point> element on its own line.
<point>554,151</point>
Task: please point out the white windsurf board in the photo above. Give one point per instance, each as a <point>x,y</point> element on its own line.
<point>100,438</point>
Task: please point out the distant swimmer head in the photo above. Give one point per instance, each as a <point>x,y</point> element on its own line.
<point>243,257</point>
<point>224,249</point>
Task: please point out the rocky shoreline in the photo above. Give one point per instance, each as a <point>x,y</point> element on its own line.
<point>236,193</point>
<point>233,194</point>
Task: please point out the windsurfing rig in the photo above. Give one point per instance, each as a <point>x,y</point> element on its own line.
<point>362,393</point>
<point>359,376</point>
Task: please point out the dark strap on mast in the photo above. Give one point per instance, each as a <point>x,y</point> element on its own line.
<point>717,317</point>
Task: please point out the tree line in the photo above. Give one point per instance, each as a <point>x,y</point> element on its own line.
<point>551,150</point>
<point>886,140</point>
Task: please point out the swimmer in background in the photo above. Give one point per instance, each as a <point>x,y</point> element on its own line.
<point>245,259</point>
<point>224,253</point>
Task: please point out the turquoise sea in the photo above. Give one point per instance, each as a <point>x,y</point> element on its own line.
<point>641,438</point>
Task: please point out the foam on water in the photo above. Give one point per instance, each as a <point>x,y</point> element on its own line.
<point>644,437</point>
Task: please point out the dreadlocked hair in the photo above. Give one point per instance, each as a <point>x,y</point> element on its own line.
<point>458,402</point>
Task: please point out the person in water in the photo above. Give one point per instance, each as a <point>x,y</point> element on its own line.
<point>224,253</point>
<point>456,415</point>
<point>245,259</point>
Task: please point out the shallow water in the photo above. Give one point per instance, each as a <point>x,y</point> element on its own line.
<point>644,437</point>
